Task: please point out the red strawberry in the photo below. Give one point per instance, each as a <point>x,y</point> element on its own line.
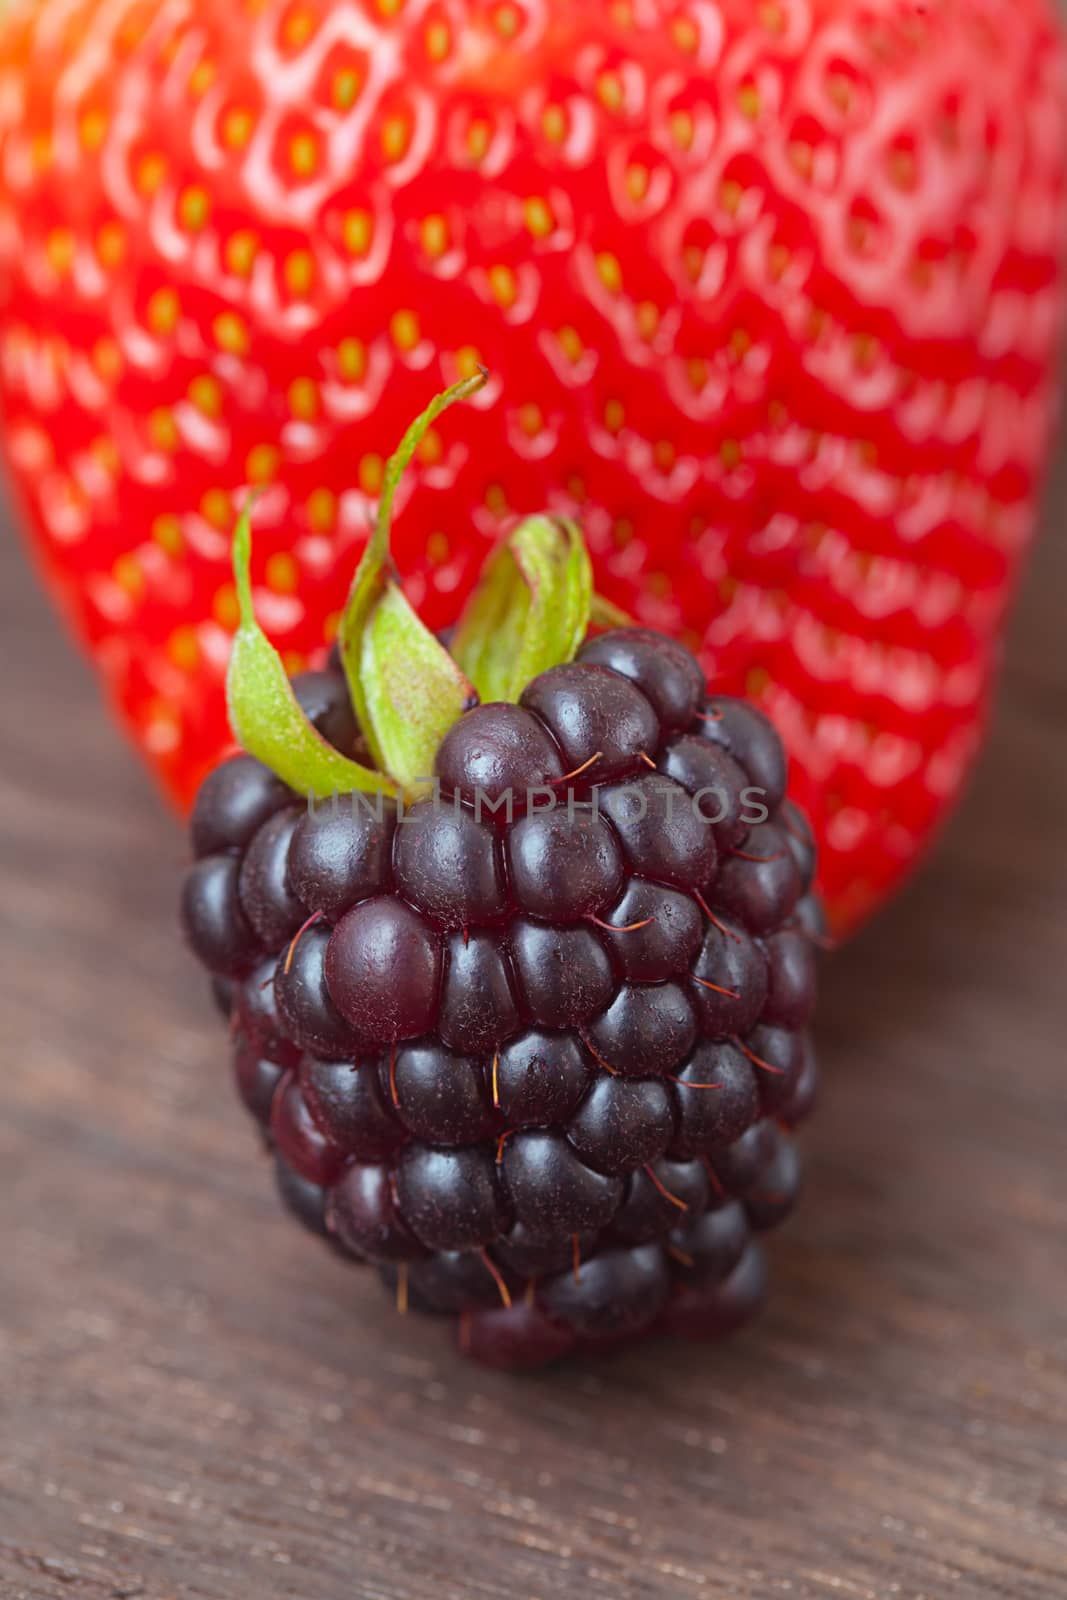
<point>770,295</point>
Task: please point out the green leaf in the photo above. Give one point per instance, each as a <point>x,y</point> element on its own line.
<point>265,715</point>
<point>412,689</point>
<point>606,614</point>
<point>530,610</point>
<point>406,689</point>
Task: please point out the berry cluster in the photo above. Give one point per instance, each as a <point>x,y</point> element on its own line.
<point>534,1045</point>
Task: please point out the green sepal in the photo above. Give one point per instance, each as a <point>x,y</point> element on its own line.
<point>606,614</point>
<point>265,715</point>
<point>530,610</point>
<point>406,689</point>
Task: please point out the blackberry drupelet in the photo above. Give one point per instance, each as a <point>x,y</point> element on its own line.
<point>538,1063</point>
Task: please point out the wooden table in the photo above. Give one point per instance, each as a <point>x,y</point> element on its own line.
<point>195,1402</point>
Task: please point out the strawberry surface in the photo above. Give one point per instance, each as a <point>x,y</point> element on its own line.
<point>769,293</point>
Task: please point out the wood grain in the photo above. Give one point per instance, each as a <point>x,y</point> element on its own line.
<point>197,1403</point>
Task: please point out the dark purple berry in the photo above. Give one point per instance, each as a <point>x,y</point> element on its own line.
<point>495,751</point>
<point>540,1078</point>
<point>773,1195</point>
<point>308,1015</point>
<point>531,1255</point>
<point>647,1028</point>
<point>514,1337</point>
<point>718,787</point>
<point>266,899</point>
<point>257,1013</point>
<point>618,1291</point>
<point>658,1198</point>
<point>800,1102</point>
<point>552,1190</point>
<point>383,968</point>
<point>212,919</point>
<point>328,706</point>
<point>662,835</point>
<point>304,1199</point>
<point>441,1097</point>
<point>349,1103</point>
<point>658,931</point>
<point>256,1078</point>
<point>298,1138</point>
<point>596,718</point>
<point>716,1098</point>
<point>809,916</point>
<point>451,1199</point>
<point>478,1011</point>
<point>563,974</point>
<point>800,839</point>
<point>234,800</point>
<point>707,1249</point>
<point>707,1311</point>
<point>667,675</point>
<point>530,1047</point>
<point>340,853</point>
<point>729,984</point>
<point>450,1281</point>
<point>563,866</point>
<point>738,1166</point>
<point>448,865</point>
<point>791,978</point>
<point>621,1124</point>
<point>778,1056</point>
<point>761,886</point>
<point>746,734</point>
<point>361,1211</point>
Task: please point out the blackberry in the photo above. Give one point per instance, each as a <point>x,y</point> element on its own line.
<point>545,1057</point>
<point>533,1045</point>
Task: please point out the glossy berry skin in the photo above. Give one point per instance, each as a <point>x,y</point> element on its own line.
<point>622,1123</point>
<point>562,868</point>
<point>452,1199</point>
<point>351,1105</point>
<point>497,749</point>
<point>256,1079</point>
<point>256,1018</point>
<point>660,931</point>
<point>213,918</point>
<point>594,717</point>
<point>269,905</point>
<point>662,834</point>
<point>383,970</point>
<point>341,853</point>
<point>298,1138</point>
<point>440,1097</point>
<point>479,1008</point>
<point>303,999</point>
<point>539,1066</point>
<point>733,271</point>
<point>448,866</point>
<point>233,802</point>
<point>761,885</point>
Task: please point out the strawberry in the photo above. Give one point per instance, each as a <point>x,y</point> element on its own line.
<point>769,293</point>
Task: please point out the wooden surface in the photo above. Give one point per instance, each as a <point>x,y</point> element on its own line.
<point>195,1401</point>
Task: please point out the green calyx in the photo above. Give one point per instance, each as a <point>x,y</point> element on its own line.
<point>265,715</point>
<point>529,611</point>
<point>406,689</point>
